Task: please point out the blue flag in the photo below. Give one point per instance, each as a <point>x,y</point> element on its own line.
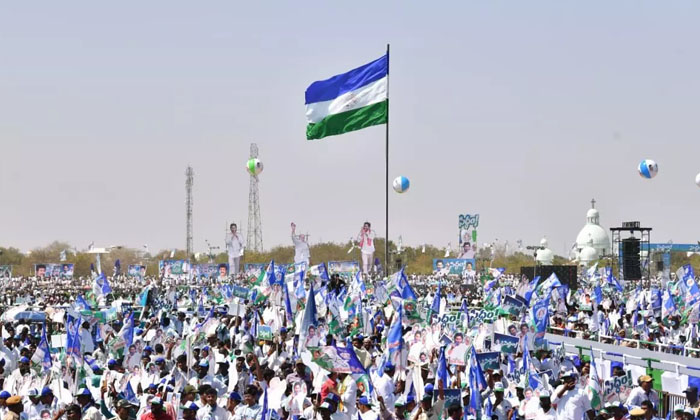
<point>73,337</point>
<point>265,413</point>
<point>42,354</point>
<point>100,286</point>
<point>441,373</point>
<point>403,289</point>
<point>130,395</point>
<point>531,288</point>
<point>394,336</point>
<point>310,318</point>
<point>127,331</point>
<point>81,304</point>
<point>287,303</point>
<point>117,268</point>
<point>598,295</point>
<point>435,307</point>
<point>612,280</point>
<point>540,317</point>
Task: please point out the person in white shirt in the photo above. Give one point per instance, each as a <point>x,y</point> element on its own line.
<point>571,400</point>
<point>234,248</point>
<point>366,240</point>
<point>643,392</point>
<point>86,343</point>
<point>301,247</point>
<point>384,384</point>
<point>546,412</point>
<point>365,408</point>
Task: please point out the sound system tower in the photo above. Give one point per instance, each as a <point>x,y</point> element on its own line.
<point>631,264</point>
<point>567,274</point>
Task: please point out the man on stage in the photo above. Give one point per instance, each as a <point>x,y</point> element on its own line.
<point>366,241</point>
<point>234,248</point>
<point>301,247</point>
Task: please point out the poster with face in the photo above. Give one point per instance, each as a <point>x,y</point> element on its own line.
<point>296,400</point>
<point>457,351</point>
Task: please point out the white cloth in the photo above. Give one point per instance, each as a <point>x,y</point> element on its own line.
<point>301,250</point>
<point>638,395</point>
<point>573,405</point>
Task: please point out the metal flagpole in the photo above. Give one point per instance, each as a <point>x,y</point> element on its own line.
<point>386,181</point>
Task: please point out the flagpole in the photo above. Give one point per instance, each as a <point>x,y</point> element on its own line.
<point>386,181</point>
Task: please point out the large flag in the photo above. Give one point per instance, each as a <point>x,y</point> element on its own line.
<point>593,389</point>
<point>550,284</point>
<point>42,354</point>
<point>435,306</point>
<point>531,289</point>
<point>100,286</point>
<point>349,101</point>
<point>668,307</point>
<point>394,336</point>
<point>441,373</point>
<point>73,337</point>
<point>309,319</point>
<point>540,317</point>
<point>399,282</point>
<point>611,279</point>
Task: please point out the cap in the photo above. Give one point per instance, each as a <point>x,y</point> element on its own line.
<point>678,407</point>
<point>148,348</point>
<point>190,406</point>
<point>156,401</point>
<point>112,362</point>
<point>637,411</point>
<point>83,392</point>
<point>124,404</point>
<point>332,398</point>
<point>33,392</point>
<point>389,366</point>
<point>24,359</point>
<point>568,373</point>
<point>46,391</point>
<point>152,386</point>
<point>15,399</point>
<point>498,387</point>
<point>429,388</point>
<point>544,394</point>
<point>203,363</point>
<point>235,396</point>
<point>283,330</point>
<point>645,378</point>
<point>692,389</point>
<point>5,395</point>
<point>363,400</point>
<point>410,398</point>
<point>160,360</point>
<point>325,406</point>
<point>689,410</point>
<point>189,389</point>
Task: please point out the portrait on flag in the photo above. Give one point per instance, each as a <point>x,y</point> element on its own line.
<point>254,269</point>
<point>135,270</point>
<point>455,267</point>
<point>170,268</point>
<point>457,351</point>
<point>343,267</point>
<point>5,271</point>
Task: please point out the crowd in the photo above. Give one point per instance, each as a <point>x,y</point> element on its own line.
<point>306,344</point>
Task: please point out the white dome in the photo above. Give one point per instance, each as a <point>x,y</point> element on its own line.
<point>593,235</point>
<point>544,243</point>
<point>545,256</point>
<point>587,255</point>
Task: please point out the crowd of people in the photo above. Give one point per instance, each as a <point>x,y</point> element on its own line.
<point>308,344</point>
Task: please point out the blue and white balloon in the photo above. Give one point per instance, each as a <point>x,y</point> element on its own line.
<point>401,184</point>
<point>648,168</point>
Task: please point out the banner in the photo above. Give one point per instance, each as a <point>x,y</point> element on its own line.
<point>346,267</point>
<point>63,270</point>
<point>5,271</point>
<point>489,360</point>
<point>241,292</point>
<point>478,316</point>
<point>618,388</point>
<point>135,270</point>
<point>505,343</point>
<point>467,225</point>
<point>265,333</point>
<point>455,267</point>
<point>451,320</point>
<point>336,359</point>
<point>512,306</point>
<point>210,271</point>
<point>254,269</point>
<point>169,268</point>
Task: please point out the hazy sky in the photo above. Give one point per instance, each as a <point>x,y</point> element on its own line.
<point>520,111</point>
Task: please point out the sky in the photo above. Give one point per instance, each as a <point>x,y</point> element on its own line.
<point>521,112</point>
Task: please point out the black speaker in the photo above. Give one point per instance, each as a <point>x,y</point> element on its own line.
<point>631,265</point>
<point>567,274</point>
<point>659,266</point>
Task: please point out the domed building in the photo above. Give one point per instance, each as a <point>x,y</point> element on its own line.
<point>544,256</point>
<point>592,241</point>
